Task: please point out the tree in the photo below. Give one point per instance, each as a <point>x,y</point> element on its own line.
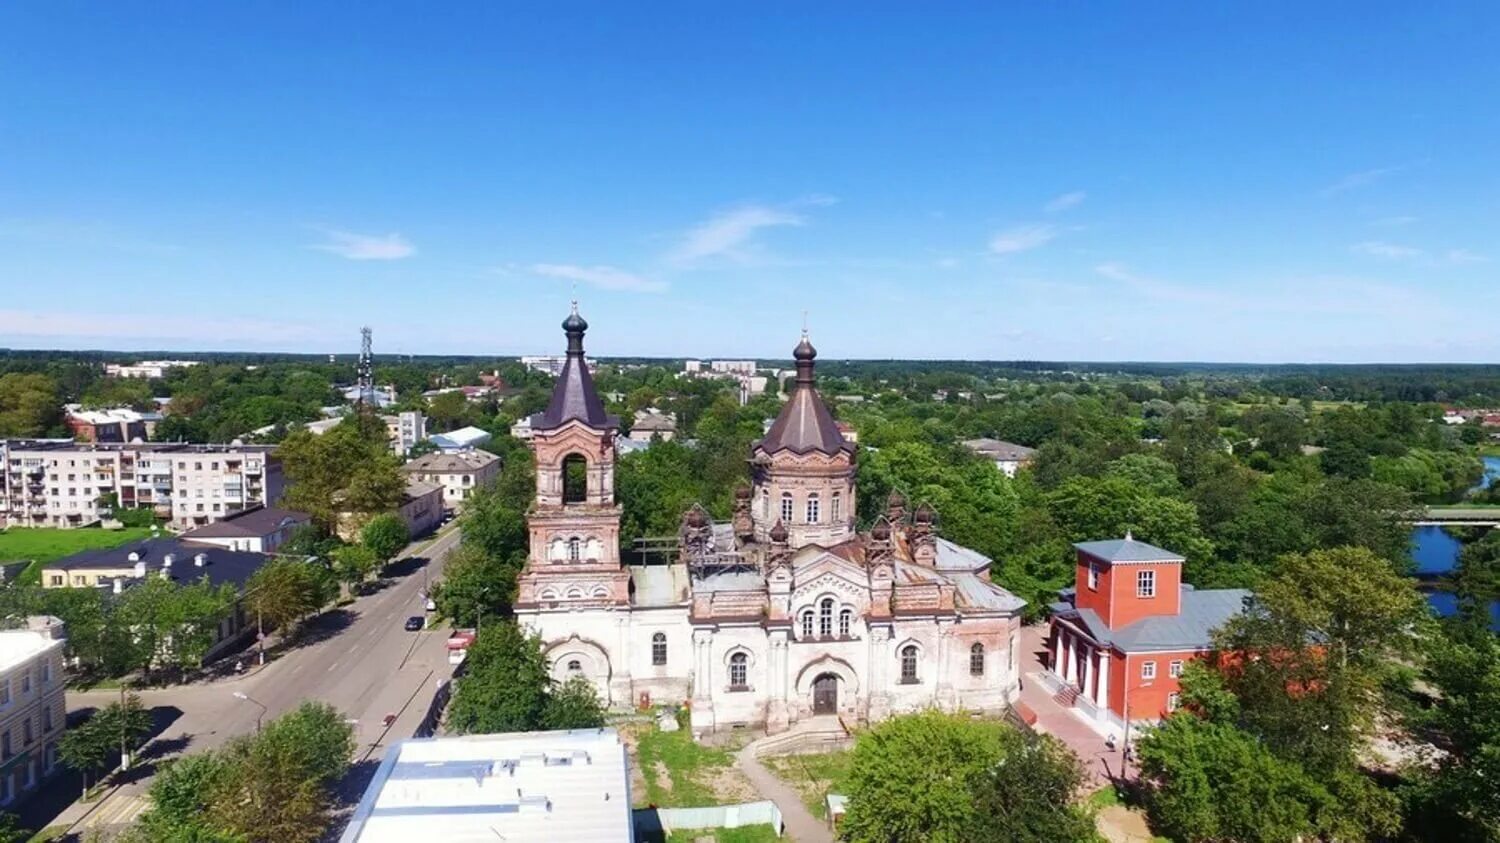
<point>475,585</point>
<point>573,705</point>
<point>128,723</point>
<point>87,747</point>
<point>29,405</point>
<point>11,832</point>
<point>348,469</point>
<point>506,686</point>
<point>1476,581</point>
<point>385,535</point>
<point>284,591</point>
<point>1027,797</point>
<point>1313,643</point>
<point>179,796</point>
<point>353,565</point>
<point>910,778</point>
<point>1460,795</point>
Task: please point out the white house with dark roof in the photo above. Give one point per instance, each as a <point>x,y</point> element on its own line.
<point>459,473</point>
<point>1007,456</point>
<point>261,530</point>
<point>1120,637</point>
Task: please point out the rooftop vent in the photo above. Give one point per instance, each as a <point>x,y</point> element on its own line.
<point>140,569</point>
<point>133,556</point>
<point>200,559</point>
<point>166,561</point>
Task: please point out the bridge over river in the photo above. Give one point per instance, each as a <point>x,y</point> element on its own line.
<point>1459,516</point>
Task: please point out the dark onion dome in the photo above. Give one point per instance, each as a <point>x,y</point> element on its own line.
<point>881,532</point>
<point>574,397</point>
<point>779,533</point>
<point>804,424</point>
<point>696,517</point>
<point>743,492</point>
<point>924,514</point>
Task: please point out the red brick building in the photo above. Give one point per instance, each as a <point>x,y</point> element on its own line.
<point>1120,637</point>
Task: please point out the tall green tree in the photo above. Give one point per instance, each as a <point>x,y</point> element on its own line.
<point>505,688</point>
<point>30,405</point>
<point>573,704</point>
<point>347,470</point>
<point>385,536</point>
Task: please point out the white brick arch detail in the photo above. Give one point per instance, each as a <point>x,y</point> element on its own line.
<point>848,677</point>
<point>593,662</point>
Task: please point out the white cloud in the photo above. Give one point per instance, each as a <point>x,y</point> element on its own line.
<point>366,247</point>
<point>1021,238</point>
<point>1382,249</point>
<point>1065,201</point>
<point>1362,178</point>
<point>1465,256</point>
<point>728,233</point>
<point>603,277</point>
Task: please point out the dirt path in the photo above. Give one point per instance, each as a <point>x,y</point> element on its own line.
<point>801,825</point>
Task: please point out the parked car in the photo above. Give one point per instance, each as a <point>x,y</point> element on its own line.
<point>415,623</point>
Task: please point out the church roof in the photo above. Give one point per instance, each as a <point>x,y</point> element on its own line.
<point>574,397</point>
<point>804,424</point>
<point>1127,550</point>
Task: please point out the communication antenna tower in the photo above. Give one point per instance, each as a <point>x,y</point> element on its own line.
<point>366,369</point>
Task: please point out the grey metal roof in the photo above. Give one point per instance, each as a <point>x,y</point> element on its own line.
<point>223,566</point>
<point>458,462</point>
<point>1191,629</point>
<point>1127,550</point>
<point>956,557</point>
<point>260,521</point>
<point>980,593</point>
<point>999,449</point>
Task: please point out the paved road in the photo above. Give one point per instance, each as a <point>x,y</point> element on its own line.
<point>360,660</point>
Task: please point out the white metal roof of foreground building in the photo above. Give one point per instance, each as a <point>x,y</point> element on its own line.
<point>518,786</point>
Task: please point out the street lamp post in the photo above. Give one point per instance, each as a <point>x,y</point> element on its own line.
<point>1125,746</point>
<point>240,695</point>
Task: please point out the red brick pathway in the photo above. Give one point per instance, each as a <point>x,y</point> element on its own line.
<point>1102,763</point>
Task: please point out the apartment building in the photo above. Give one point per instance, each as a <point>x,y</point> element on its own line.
<point>459,473</point>
<point>119,424</point>
<point>32,709</point>
<point>405,430</point>
<point>61,483</point>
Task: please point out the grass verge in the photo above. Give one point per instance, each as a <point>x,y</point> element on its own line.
<point>678,771</point>
<point>41,545</point>
<point>812,776</point>
<point>744,834</point>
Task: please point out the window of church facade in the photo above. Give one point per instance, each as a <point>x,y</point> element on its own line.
<point>575,478</point>
<point>575,666</point>
<point>659,648</point>
<point>739,668</point>
<point>836,508</point>
<point>1145,583</point>
<point>846,619</point>
<point>575,549</point>
<point>976,660</point>
<point>825,617</point>
<point>812,508</point>
<point>807,623</point>
<point>909,664</point>
<point>787,510</point>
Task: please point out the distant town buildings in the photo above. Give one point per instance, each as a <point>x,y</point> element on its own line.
<point>521,430</point>
<point>153,369</point>
<point>652,423</point>
<point>742,371</point>
<point>120,424</point>
<point>459,473</point>
<point>532,786</point>
<point>380,396</point>
<point>404,430</point>
<point>33,708</point>
<point>1485,417</point>
<point>421,507</point>
<point>552,364</point>
<point>1121,636</point>
<point>61,483</point>
<point>1007,456</point>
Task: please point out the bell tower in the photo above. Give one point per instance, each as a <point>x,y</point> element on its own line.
<point>575,521</point>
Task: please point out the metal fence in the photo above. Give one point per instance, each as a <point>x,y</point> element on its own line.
<point>652,824</point>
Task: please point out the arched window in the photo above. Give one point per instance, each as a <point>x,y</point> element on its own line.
<point>838,508</point>
<point>765,503</point>
<point>786,508</point>
<point>846,619</point>
<point>976,660</point>
<point>659,648</point>
<point>812,508</point>
<point>909,664</point>
<point>825,617</point>
<point>575,667</point>
<point>739,666</point>
<point>575,549</point>
<point>575,471</point>
<point>807,623</point>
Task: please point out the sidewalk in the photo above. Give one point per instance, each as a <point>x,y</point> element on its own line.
<point>1063,723</point>
<point>801,825</point>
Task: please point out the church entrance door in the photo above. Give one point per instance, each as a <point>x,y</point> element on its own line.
<point>826,694</point>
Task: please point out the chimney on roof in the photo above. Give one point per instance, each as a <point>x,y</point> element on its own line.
<point>166,562</point>
<point>119,584</point>
<point>200,559</point>
<point>140,568</point>
<point>133,556</point>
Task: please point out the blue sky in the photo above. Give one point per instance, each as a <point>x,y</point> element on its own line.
<point>1133,181</point>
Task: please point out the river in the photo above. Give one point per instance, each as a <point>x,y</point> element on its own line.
<point>1435,552</point>
<point>1491,473</point>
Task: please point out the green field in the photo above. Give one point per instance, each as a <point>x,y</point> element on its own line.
<point>44,544</point>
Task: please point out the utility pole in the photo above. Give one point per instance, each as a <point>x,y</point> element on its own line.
<point>124,756</point>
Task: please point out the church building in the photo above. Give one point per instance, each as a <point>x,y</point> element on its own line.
<point>785,612</point>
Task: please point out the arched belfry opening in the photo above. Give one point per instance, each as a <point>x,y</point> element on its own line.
<point>575,477</point>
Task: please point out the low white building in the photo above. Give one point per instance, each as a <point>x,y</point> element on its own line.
<point>462,439</point>
<point>261,530</point>
<point>652,424</point>
<point>459,473</point>
<point>33,711</point>
<point>551,787</point>
<point>1007,456</point>
<point>153,369</point>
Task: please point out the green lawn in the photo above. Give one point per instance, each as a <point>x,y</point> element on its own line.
<point>812,776</point>
<point>679,772</point>
<point>44,544</point>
